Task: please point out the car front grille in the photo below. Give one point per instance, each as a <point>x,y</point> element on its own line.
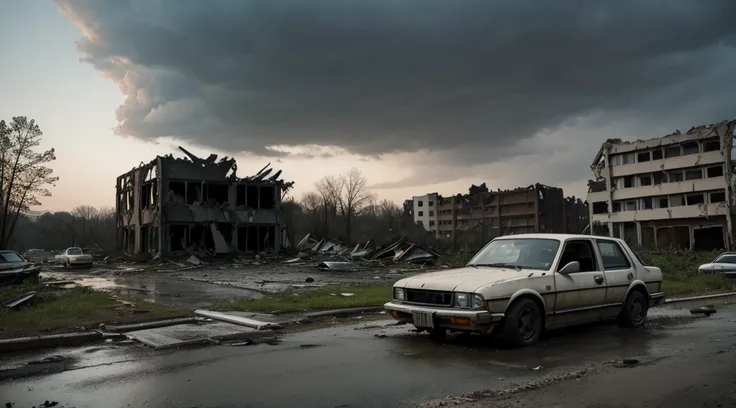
<point>429,297</point>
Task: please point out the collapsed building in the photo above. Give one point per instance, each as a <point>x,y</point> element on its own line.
<point>536,208</point>
<point>176,204</point>
<point>672,191</point>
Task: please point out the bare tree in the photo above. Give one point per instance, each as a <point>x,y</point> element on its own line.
<point>329,189</point>
<point>88,217</point>
<point>353,198</point>
<point>391,212</point>
<point>23,174</point>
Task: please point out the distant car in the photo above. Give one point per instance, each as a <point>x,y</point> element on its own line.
<point>724,263</point>
<point>15,270</point>
<point>517,286</point>
<point>73,257</point>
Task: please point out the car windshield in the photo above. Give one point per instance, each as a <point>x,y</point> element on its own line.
<point>10,257</point>
<point>726,258</point>
<point>529,253</point>
<point>74,251</point>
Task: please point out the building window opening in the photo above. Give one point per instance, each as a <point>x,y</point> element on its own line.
<point>719,197</point>
<point>673,151</point>
<point>240,196</point>
<point>677,200</point>
<point>268,197</point>
<point>629,182</point>
<point>643,157</point>
<point>694,174</point>
<point>675,176</point>
<point>647,203</point>
<point>194,192</point>
<point>663,202</point>
<point>658,178</point>
<point>694,199</point>
<point>714,171</point>
<point>690,148</point>
<point>657,154</point>
<point>252,197</point>
<point>645,180</point>
<point>600,207</point>
<point>711,145</point>
<point>217,193</point>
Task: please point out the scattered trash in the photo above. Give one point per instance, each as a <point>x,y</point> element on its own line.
<point>305,346</point>
<point>537,368</point>
<point>704,310</point>
<point>380,335</point>
<point>195,261</point>
<point>342,294</point>
<point>309,279</point>
<point>338,266</point>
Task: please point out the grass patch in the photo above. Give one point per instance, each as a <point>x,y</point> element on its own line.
<point>56,310</point>
<point>315,299</point>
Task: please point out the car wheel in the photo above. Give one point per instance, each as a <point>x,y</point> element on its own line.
<point>437,334</point>
<point>522,325</point>
<point>634,312</point>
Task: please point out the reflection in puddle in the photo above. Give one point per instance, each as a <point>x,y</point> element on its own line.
<point>156,289</point>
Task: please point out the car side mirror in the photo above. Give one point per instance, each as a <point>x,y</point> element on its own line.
<point>571,267</point>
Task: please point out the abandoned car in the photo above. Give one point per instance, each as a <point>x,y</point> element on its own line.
<point>517,286</point>
<point>724,263</point>
<point>15,270</point>
<point>74,257</point>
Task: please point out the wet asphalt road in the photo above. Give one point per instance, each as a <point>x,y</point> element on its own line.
<point>345,366</point>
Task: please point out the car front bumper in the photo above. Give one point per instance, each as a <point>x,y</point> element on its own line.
<point>446,318</point>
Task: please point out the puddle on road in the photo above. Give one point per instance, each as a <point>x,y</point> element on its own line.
<point>156,289</point>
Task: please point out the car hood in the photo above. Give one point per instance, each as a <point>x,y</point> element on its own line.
<point>14,266</point>
<point>467,279</point>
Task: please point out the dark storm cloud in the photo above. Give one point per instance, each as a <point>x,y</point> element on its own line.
<point>467,78</point>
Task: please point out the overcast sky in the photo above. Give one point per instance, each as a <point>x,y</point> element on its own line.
<point>421,95</point>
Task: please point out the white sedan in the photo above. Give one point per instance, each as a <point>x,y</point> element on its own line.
<point>724,263</point>
<point>74,256</point>
<point>517,286</point>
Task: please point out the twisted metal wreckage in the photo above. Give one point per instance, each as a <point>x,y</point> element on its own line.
<point>205,207</point>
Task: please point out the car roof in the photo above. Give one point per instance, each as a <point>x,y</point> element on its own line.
<point>561,237</point>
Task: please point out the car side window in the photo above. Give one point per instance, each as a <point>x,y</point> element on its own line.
<point>729,259</point>
<point>581,251</point>
<point>613,256</point>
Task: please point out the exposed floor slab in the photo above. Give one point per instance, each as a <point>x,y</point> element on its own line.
<point>185,334</point>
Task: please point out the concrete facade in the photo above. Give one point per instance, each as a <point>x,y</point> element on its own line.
<point>673,191</point>
<point>174,204</point>
<point>425,211</point>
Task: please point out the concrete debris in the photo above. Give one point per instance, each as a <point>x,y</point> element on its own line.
<point>704,310</point>
<point>194,260</point>
<point>18,301</point>
<point>338,266</point>
<point>243,321</point>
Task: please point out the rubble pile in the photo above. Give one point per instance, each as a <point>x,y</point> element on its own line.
<point>334,254</point>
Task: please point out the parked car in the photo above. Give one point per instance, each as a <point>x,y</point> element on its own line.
<point>517,286</point>
<point>724,263</point>
<point>14,269</point>
<point>74,256</point>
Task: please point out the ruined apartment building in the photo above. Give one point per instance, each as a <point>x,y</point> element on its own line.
<point>174,204</point>
<point>673,191</point>
<point>537,208</point>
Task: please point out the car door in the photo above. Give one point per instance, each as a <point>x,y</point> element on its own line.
<point>619,270</point>
<point>579,295</point>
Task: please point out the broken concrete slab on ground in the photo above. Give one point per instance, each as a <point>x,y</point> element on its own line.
<point>399,250</point>
<point>199,206</point>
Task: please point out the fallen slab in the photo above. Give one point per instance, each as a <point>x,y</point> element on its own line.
<point>243,321</point>
<point>189,334</point>
<point>151,325</point>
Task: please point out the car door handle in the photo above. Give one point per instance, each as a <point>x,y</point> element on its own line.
<point>598,279</point>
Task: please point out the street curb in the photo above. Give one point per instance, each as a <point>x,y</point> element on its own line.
<point>49,341</point>
<point>151,325</point>
<point>702,297</point>
<point>80,338</point>
<point>344,312</point>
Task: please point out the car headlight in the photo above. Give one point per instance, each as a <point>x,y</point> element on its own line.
<point>461,299</point>
<point>399,294</point>
<point>478,301</point>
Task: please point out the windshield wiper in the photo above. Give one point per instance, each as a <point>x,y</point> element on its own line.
<point>498,265</point>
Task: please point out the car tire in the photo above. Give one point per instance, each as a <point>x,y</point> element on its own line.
<point>634,311</point>
<point>437,334</point>
<point>522,326</point>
